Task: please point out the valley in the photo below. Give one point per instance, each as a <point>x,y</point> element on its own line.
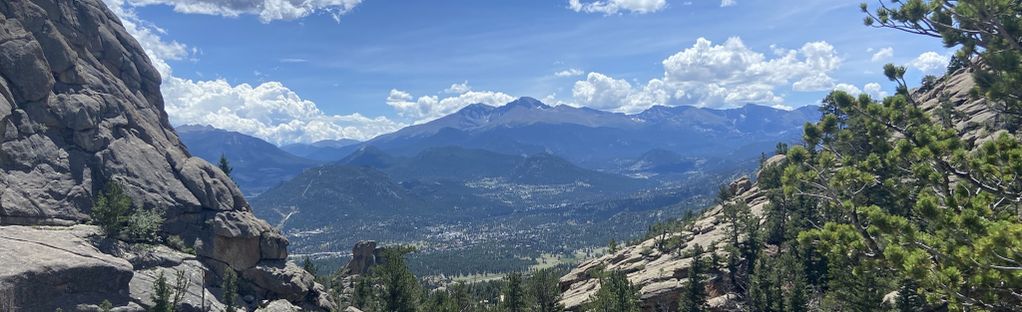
<point>490,190</point>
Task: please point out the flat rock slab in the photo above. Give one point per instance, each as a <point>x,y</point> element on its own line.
<point>49,267</point>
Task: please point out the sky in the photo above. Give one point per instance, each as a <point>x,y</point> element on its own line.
<point>299,71</point>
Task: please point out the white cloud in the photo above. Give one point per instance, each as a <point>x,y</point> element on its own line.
<point>266,10</point>
<point>571,72</point>
<point>727,3</point>
<point>458,88</point>
<point>270,111</point>
<point>874,90</point>
<point>611,7</point>
<point>429,107</point>
<point>600,91</point>
<point>931,63</point>
<point>848,88</point>
<point>725,75</point>
<point>883,54</point>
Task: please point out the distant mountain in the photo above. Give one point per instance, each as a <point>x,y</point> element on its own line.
<point>258,165</point>
<point>452,163</point>
<point>373,185</point>
<point>326,150</point>
<point>604,140</point>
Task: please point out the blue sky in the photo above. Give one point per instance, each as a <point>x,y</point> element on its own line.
<point>349,68</point>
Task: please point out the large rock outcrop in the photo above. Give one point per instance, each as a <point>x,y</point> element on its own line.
<point>80,107</point>
<point>660,276</point>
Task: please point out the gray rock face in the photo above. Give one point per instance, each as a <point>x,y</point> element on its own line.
<point>661,276</point>
<point>80,107</point>
<point>47,268</point>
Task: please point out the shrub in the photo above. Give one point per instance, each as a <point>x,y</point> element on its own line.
<point>144,225</point>
<point>106,306</point>
<point>179,244</point>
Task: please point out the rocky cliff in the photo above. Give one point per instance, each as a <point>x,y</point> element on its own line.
<point>80,107</point>
<point>661,276</point>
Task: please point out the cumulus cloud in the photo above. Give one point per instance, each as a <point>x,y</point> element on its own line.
<point>600,91</point>
<point>571,72</point>
<point>429,107</point>
<point>266,10</point>
<point>727,3</point>
<point>875,90</point>
<point>269,111</point>
<point>611,7</point>
<point>712,75</point>
<point>458,88</point>
<point>883,54</point>
<point>931,63</point>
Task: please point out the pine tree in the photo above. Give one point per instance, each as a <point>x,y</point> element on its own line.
<point>693,297</point>
<point>797,296</point>
<point>616,294</point>
<point>400,288</point>
<point>309,266</point>
<point>544,291</point>
<point>225,165</point>
<point>908,297</point>
<point>230,289</point>
<point>162,295</point>
<point>513,293</point>
<point>362,296</point>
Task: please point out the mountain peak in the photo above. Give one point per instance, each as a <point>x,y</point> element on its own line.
<point>526,102</point>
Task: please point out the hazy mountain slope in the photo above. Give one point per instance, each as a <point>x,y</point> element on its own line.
<point>328,194</point>
<point>326,150</point>
<point>258,165</point>
<point>598,139</point>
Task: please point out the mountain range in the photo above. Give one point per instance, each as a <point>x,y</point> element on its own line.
<point>603,140</point>
<point>258,165</point>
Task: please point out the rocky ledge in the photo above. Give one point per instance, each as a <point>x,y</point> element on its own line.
<point>661,276</point>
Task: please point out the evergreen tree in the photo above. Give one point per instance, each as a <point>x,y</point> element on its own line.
<point>230,289</point>
<point>797,296</point>
<point>162,295</point>
<point>400,288</point>
<point>909,299</point>
<point>362,296</point>
<point>904,195</point>
<point>545,291</point>
<point>309,266</point>
<point>225,165</point>
<point>616,294</point>
<point>513,294</point>
<point>693,297</point>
